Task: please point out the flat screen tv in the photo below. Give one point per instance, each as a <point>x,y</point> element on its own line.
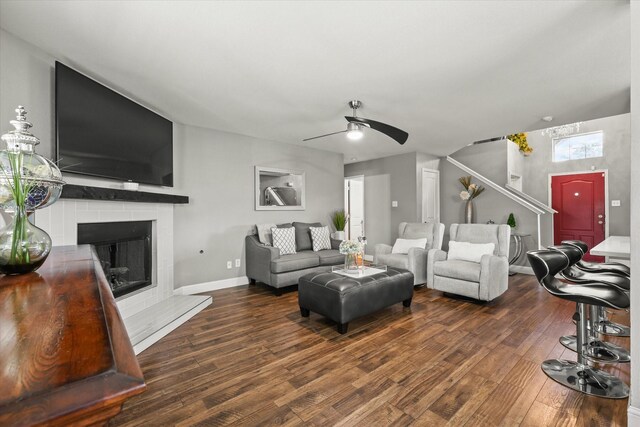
<point>102,133</point>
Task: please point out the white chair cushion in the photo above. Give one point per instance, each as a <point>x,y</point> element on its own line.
<point>472,252</point>
<point>284,239</point>
<point>402,246</point>
<point>457,269</point>
<point>320,238</point>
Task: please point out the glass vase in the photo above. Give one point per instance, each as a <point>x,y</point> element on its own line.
<point>23,246</point>
<point>351,262</point>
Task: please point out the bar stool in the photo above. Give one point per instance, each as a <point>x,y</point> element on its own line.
<point>576,275</point>
<point>596,349</point>
<point>597,267</point>
<point>578,375</point>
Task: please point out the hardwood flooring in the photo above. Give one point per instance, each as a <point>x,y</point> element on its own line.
<point>250,359</point>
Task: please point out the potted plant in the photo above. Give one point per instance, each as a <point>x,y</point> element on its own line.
<point>520,139</point>
<point>470,192</point>
<point>339,219</point>
<point>511,221</point>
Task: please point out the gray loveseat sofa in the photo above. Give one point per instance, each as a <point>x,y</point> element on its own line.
<point>265,264</point>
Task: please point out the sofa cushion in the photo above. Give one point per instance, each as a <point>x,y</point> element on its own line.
<point>330,257</point>
<point>394,260</point>
<point>284,239</point>
<point>458,269</point>
<point>294,262</point>
<point>303,235</point>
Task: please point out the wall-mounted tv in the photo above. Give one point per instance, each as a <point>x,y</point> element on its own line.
<point>101,133</point>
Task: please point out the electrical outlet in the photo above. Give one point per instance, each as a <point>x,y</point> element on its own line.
<point>615,203</point>
<point>228,264</point>
<point>238,262</point>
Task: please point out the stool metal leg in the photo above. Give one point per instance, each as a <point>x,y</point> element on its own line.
<point>596,350</point>
<point>607,327</point>
<point>578,375</point>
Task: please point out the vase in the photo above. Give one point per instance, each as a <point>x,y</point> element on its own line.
<point>351,262</point>
<point>338,235</point>
<point>23,246</point>
<point>469,212</point>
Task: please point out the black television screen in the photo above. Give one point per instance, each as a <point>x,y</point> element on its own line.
<point>102,133</point>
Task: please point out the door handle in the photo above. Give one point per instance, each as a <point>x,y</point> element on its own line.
<point>600,216</point>
<point>599,222</point>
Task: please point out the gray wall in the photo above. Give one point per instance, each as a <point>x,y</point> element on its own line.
<point>27,78</point>
<point>635,205</point>
<point>216,170</point>
<point>488,159</point>
<point>385,180</point>
<point>616,159</point>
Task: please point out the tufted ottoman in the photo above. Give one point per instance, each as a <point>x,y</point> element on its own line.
<point>342,298</point>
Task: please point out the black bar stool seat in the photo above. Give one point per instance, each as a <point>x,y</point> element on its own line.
<point>608,267</point>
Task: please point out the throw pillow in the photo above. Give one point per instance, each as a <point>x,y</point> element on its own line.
<point>264,233</point>
<point>320,238</point>
<point>303,236</point>
<point>284,239</point>
<point>466,251</point>
<point>402,246</point>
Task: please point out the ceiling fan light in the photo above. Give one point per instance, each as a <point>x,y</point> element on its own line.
<point>354,131</point>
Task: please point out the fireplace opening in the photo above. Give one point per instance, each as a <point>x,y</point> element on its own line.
<point>124,249</point>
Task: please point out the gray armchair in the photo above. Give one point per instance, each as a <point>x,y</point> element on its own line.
<point>484,281</point>
<point>416,260</point>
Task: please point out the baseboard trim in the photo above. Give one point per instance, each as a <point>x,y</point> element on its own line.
<point>633,416</point>
<point>215,285</point>
<point>522,269</point>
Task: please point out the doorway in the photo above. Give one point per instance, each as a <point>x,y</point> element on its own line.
<point>354,206</point>
<point>430,195</point>
<point>581,201</point>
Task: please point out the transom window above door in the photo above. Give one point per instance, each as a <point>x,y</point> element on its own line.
<point>575,147</point>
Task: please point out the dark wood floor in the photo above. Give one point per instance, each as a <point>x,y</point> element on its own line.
<point>250,359</point>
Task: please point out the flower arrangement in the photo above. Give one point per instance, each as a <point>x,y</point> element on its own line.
<point>520,139</point>
<point>350,247</point>
<point>471,191</point>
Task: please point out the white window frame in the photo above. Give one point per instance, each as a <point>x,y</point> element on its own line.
<point>555,140</point>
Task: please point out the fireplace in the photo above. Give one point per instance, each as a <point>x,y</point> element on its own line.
<point>125,252</point>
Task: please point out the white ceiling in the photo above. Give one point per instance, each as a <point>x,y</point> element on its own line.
<point>449,73</point>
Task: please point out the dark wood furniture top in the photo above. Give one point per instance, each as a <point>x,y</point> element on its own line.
<point>65,356</point>
<point>85,192</point>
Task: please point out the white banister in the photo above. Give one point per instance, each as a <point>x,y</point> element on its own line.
<point>500,189</point>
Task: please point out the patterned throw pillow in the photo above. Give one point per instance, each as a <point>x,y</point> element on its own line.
<point>320,238</point>
<point>284,239</point>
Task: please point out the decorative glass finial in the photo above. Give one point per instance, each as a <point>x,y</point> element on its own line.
<point>20,139</point>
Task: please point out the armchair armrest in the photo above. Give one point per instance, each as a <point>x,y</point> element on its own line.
<point>433,256</point>
<point>494,276</point>
<point>418,264</point>
<point>380,249</point>
<point>258,259</point>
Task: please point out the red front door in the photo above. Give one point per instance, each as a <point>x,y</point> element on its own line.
<point>579,200</point>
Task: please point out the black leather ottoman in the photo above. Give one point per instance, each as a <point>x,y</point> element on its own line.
<point>342,298</point>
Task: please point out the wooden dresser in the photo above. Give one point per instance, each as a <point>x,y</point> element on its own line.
<point>65,356</point>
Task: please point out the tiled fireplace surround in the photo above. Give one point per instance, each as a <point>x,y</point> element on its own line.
<point>61,222</point>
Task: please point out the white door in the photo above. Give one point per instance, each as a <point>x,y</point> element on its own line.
<point>354,206</point>
<point>430,195</point>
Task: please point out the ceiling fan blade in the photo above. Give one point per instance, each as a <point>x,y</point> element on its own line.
<point>322,136</point>
<point>392,132</point>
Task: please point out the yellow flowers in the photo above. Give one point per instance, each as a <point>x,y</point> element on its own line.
<point>520,139</point>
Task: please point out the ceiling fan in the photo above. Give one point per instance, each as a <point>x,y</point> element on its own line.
<point>355,125</point>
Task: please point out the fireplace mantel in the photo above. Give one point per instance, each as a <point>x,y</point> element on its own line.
<point>85,192</point>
